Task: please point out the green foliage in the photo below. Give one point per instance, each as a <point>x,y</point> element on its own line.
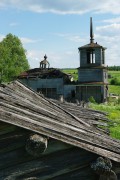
<point>13,59</point>
<point>115,81</point>
<point>113,100</point>
<point>113,74</point>
<point>113,110</point>
<point>119,100</point>
<point>114,68</point>
<point>91,99</point>
<point>115,131</point>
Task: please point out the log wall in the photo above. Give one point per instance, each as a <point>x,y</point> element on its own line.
<point>59,162</point>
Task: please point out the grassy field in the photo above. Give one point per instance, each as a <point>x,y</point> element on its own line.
<point>114,73</point>
<point>112,108</point>
<point>114,88</point>
<point>73,72</point>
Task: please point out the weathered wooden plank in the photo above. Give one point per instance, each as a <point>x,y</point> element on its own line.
<point>64,128</point>
<point>53,123</point>
<point>60,124</point>
<point>73,141</point>
<point>92,116</point>
<point>61,120</point>
<point>27,104</point>
<point>37,113</point>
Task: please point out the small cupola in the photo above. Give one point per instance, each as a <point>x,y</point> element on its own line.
<point>44,63</point>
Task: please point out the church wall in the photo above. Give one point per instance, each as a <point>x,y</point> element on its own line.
<point>37,84</point>
<point>98,56</point>
<point>90,75</point>
<point>60,161</point>
<point>105,76</point>
<point>84,92</point>
<point>83,58</point>
<point>68,91</point>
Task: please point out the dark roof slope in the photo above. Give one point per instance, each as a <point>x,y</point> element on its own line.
<point>25,108</point>
<point>44,73</point>
<point>47,73</point>
<point>91,45</point>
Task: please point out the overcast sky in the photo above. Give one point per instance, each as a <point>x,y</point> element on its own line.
<point>58,27</point>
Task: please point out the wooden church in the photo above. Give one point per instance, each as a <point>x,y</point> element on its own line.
<point>92,73</point>
<point>92,76</point>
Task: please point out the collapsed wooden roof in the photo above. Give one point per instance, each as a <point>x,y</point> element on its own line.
<point>44,73</point>
<point>25,108</point>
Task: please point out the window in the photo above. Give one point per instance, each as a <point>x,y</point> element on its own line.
<point>91,57</point>
<point>88,57</point>
<point>103,57</point>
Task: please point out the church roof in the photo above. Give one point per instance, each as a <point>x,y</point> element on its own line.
<point>44,73</point>
<point>91,45</point>
<point>23,107</point>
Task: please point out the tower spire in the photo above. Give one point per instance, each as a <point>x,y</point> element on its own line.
<point>91,31</point>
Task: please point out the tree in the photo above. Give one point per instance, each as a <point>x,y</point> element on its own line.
<point>13,59</point>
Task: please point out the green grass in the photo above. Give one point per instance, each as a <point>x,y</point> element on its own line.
<point>113,111</point>
<point>73,72</point>
<point>114,89</point>
<point>115,74</point>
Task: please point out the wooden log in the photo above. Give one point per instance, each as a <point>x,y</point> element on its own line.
<point>36,145</point>
<point>51,165</point>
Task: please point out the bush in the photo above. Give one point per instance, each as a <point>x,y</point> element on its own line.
<point>115,81</point>
<point>91,99</point>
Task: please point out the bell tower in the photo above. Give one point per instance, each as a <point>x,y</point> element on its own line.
<point>92,73</point>
<point>92,54</point>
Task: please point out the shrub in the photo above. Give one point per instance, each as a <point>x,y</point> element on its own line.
<point>91,99</point>
<point>115,81</point>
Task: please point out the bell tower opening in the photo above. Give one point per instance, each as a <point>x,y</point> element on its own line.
<point>90,57</point>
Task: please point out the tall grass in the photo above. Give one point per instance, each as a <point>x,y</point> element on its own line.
<point>113,111</point>
<point>114,89</point>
